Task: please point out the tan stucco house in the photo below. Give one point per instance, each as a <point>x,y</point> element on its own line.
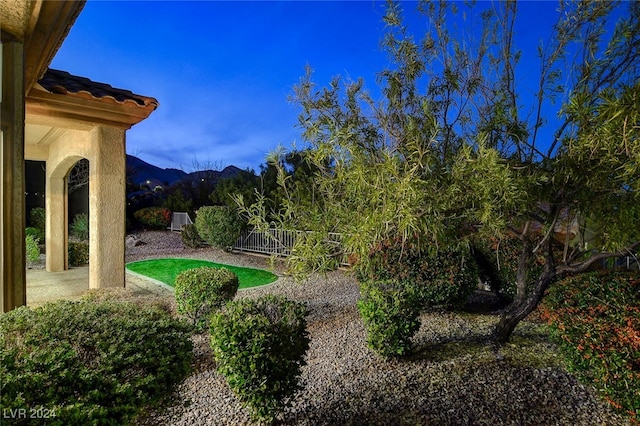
<point>53,116</point>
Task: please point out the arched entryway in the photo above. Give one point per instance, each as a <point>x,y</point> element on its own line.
<point>104,149</point>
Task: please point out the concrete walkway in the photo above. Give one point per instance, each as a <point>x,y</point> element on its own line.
<point>43,286</point>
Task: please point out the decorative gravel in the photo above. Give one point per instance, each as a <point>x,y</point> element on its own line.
<point>454,377</point>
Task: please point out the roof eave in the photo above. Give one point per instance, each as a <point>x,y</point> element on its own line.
<point>52,24</point>
<point>54,108</point>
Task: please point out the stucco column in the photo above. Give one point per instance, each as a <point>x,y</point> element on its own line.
<point>107,207</point>
<point>12,246</point>
<point>56,227</point>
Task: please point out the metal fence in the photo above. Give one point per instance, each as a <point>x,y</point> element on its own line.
<point>275,241</point>
<point>271,241</point>
<point>178,220</point>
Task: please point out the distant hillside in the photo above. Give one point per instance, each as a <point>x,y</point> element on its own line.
<point>141,171</point>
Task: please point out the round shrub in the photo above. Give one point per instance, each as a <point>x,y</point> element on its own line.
<point>78,253</point>
<point>391,316</point>
<point>190,236</point>
<point>444,279</point>
<point>219,226</point>
<point>595,320</point>
<point>259,346</point>
<point>90,363</point>
<point>200,291</point>
<point>153,217</point>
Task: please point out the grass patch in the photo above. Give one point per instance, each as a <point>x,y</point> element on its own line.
<point>166,270</point>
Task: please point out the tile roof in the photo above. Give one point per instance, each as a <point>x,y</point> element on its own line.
<point>61,82</point>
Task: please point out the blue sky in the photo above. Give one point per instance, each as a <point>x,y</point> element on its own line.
<point>222,71</point>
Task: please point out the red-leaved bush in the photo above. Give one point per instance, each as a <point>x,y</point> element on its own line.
<point>153,217</point>
<point>595,319</point>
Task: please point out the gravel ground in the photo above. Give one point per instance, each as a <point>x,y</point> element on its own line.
<point>454,377</point>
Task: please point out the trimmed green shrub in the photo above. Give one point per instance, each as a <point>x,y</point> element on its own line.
<point>153,217</point>
<point>390,313</point>
<point>259,346</point>
<point>32,248</point>
<point>38,219</point>
<point>200,291</point>
<point>219,226</point>
<point>595,319</point>
<point>190,236</point>
<point>78,253</point>
<point>80,227</point>
<point>445,279</point>
<point>90,363</point>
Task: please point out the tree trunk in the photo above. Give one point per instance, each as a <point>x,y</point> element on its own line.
<point>525,304</point>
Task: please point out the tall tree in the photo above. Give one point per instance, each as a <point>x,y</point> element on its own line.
<point>455,147</point>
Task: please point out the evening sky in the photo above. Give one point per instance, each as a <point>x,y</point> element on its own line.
<point>223,71</point>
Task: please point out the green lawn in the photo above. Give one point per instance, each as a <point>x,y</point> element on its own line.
<point>166,270</point>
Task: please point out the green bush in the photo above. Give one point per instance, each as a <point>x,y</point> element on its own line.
<point>32,248</point>
<point>153,217</point>
<point>90,363</point>
<point>80,227</point>
<point>445,279</point>
<point>38,219</point>
<point>219,226</point>
<point>259,346</point>
<point>595,319</point>
<point>190,236</point>
<point>391,316</point>
<point>200,291</point>
<point>497,261</point>
<point>78,253</point>
<point>35,233</point>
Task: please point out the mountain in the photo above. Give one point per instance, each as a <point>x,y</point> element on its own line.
<point>140,172</point>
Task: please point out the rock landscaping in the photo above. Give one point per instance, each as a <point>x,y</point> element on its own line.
<point>453,377</point>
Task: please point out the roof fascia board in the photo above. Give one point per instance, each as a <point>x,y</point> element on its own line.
<point>84,111</point>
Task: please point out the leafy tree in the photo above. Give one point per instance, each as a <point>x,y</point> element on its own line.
<point>285,175</point>
<point>455,149</point>
<point>245,183</point>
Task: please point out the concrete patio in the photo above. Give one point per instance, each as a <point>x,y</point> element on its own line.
<point>72,284</point>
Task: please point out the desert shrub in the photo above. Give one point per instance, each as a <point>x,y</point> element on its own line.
<point>259,346</point>
<point>312,251</point>
<point>153,217</point>
<point>390,314</point>
<point>90,363</point>
<point>78,253</point>
<point>38,220</point>
<point>200,291</point>
<point>32,248</point>
<point>443,279</point>
<point>595,319</point>
<point>80,227</point>
<point>35,233</point>
<point>219,226</point>
<point>190,236</point>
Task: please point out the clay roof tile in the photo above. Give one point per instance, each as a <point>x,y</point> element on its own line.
<point>62,82</point>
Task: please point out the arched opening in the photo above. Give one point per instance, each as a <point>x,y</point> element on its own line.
<point>66,196</point>
<point>78,214</point>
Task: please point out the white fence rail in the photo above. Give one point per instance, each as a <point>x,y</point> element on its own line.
<point>275,241</point>
<point>178,220</point>
<point>271,241</point>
